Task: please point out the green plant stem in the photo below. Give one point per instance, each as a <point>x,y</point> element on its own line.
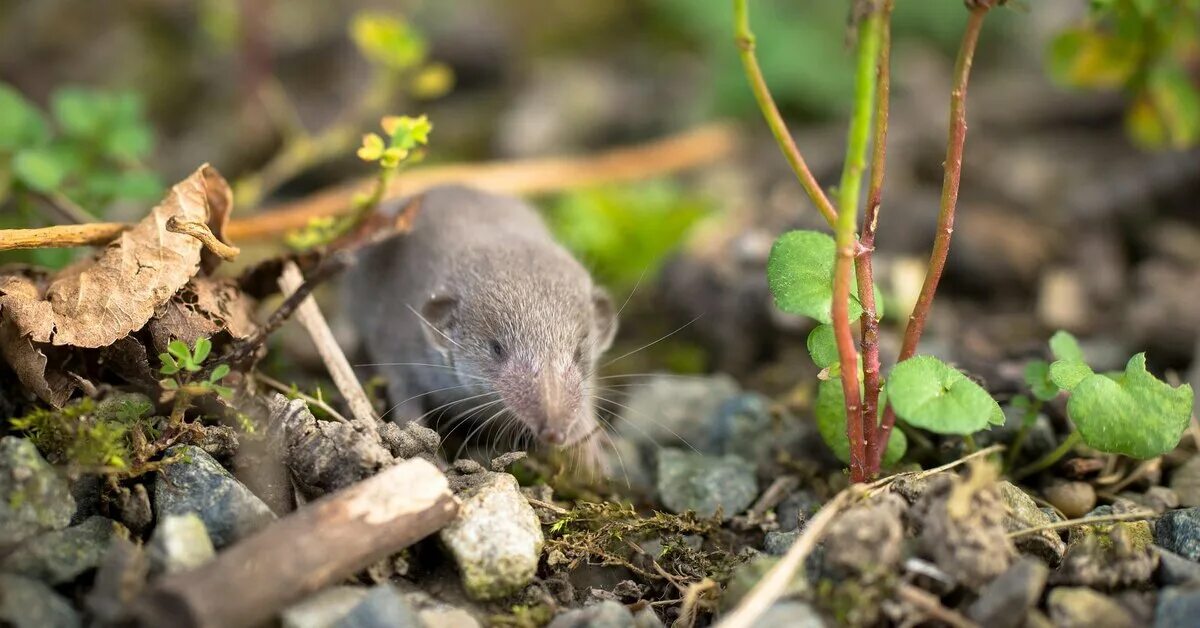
<point>1022,434</point>
<point>877,437</point>
<point>744,39</point>
<point>1049,459</point>
<point>952,168</point>
<point>858,139</point>
<point>302,150</point>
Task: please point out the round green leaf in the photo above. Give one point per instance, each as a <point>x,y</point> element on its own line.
<point>800,275</point>
<point>830,411</point>
<point>822,346</point>
<point>1064,346</point>
<point>79,112</point>
<point>128,142</point>
<point>38,169</point>
<point>21,124</point>
<point>1136,415</point>
<point>1037,376</point>
<point>929,394</point>
<point>1066,374</point>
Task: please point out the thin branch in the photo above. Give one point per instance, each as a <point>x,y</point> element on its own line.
<point>309,399</point>
<point>61,236</point>
<point>1071,523</point>
<point>952,175</point>
<point>918,475</point>
<point>522,177</point>
<point>950,181</point>
<point>775,583</point>
<point>932,607</point>
<point>744,39</point>
<point>857,141</point>
<point>877,438</point>
<point>335,360</point>
<point>201,232</point>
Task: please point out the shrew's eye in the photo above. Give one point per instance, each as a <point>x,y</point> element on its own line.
<point>497,350</point>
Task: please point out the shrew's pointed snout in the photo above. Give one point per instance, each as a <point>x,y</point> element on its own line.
<point>553,435</point>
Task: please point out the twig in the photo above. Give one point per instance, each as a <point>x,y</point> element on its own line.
<point>201,232</point>
<point>65,208</point>
<point>775,493</point>
<point>918,475</point>
<point>877,438</point>
<point>326,268</point>
<point>857,140</point>
<point>744,40</point>
<point>952,175</point>
<point>1071,523</point>
<point>1049,459</point>
<point>60,236</point>
<point>251,581</point>
<point>656,158</point>
<point>776,581</point>
<point>691,600</point>
<point>932,606</point>
<point>311,400</point>
<point>335,360</point>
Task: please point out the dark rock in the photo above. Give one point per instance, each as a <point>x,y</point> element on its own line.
<point>867,538</point>
<point>1177,606</point>
<point>745,425</point>
<point>131,506</point>
<point>777,542</point>
<point>323,608</point>
<point>1004,601</point>
<point>60,556</point>
<point>382,607</point>
<point>793,512</point>
<point>1081,607</point>
<point>1109,556</point>
<point>26,603</point>
<point>119,579</point>
<point>86,490</point>
<point>1074,499</point>
<point>607,614</point>
<point>965,533</point>
<point>1185,481</point>
<point>496,539</point>
<point>1023,513</point>
<point>33,497</point>
<point>1175,569</point>
<point>704,484</point>
<point>672,411</point>
<point>179,543</point>
<point>197,483</point>
<point>1179,532</point>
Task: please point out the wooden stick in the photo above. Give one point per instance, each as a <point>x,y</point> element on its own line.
<point>519,177</point>
<point>335,360</point>
<point>318,545</point>
<point>775,582</point>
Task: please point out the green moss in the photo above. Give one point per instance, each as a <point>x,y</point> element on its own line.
<point>523,616</point>
<point>88,435</point>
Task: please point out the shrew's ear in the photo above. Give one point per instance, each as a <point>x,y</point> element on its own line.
<point>439,314</point>
<point>604,318</point>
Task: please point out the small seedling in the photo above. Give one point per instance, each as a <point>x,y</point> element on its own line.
<point>180,362</point>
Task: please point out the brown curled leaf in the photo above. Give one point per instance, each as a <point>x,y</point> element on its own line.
<point>102,300</point>
<point>93,303</point>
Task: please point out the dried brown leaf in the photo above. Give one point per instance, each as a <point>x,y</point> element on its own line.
<point>96,302</point>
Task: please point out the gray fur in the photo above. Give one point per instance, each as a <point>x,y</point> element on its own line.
<point>482,268</point>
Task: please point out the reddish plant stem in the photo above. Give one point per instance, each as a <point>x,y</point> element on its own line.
<point>952,175</point>
<point>876,438</point>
